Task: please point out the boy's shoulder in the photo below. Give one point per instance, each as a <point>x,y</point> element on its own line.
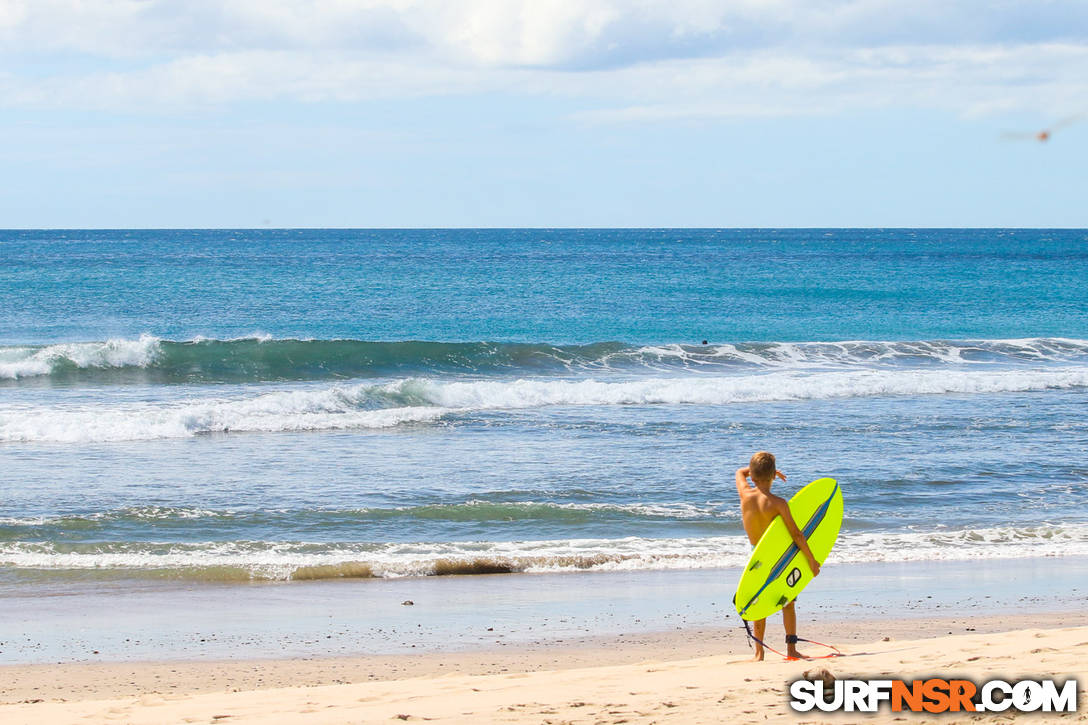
<point>771,500</point>
<point>756,496</point>
<point>779,502</point>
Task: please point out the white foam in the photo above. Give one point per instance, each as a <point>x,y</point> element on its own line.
<point>286,410</point>
<point>281,560</point>
<point>655,510</point>
<point>421,400</point>
<point>777,386</point>
<point>803,355</point>
<point>20,362</point>
<point>652,510</point>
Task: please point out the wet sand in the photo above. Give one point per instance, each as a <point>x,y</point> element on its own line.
<point>83,681</point>
<point>351,651</point>
<point>132,620</point>
<point>663,681</point>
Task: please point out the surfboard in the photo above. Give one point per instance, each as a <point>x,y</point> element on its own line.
<point>777,571</point>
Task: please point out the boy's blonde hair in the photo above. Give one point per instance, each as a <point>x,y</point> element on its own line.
<point>762,466</point>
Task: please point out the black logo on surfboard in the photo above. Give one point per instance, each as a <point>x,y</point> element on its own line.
<point>793,577</point>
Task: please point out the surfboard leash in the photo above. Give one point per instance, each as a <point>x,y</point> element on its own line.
<point>795,639</point>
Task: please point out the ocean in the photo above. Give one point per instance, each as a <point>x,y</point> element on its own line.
<point>238,406</point>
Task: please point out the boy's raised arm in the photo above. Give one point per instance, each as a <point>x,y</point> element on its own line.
<point>742,480</point>
<point>798,537</point>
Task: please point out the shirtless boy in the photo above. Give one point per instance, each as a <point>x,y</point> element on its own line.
<point>758,508</point>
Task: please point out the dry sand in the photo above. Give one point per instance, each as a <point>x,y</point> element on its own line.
<point>681,677</point>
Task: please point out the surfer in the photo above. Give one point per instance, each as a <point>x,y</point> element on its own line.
<point>758,508</point>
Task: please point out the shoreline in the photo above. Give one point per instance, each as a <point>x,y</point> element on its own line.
<point>78,681</point>
<point>177,622</point>
<point>717,688</point>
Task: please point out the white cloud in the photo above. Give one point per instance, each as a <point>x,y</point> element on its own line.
<point>970,81</point>
<point>539,33</point>
<point>635,60</point>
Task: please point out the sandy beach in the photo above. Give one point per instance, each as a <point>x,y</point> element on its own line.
<point>475,476</point>
<point>680,676</point>
<point>489,362</point>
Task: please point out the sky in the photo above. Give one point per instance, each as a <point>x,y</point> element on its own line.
<point>542,113</point>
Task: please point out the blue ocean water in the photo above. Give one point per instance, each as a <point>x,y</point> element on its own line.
<point>234,405</point>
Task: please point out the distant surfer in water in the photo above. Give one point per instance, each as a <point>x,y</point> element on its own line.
<point>758,508</point>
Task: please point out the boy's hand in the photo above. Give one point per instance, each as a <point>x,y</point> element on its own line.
<point>815,566</point>
<point>781,475</point>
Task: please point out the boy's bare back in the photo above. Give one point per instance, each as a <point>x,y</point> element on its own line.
<point>759,507</point>
<point>757,510</point>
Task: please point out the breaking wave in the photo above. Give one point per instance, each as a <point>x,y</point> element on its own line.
<point>257,359</point>
<point>242,561</point>
<point>423,400</point>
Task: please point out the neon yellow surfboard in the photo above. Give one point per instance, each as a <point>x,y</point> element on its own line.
<point>777,570</point>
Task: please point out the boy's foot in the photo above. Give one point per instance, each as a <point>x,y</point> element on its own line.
<point>793,654</point>
<point>758,656</point>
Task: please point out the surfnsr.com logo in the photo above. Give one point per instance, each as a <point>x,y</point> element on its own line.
<point>934,695</point>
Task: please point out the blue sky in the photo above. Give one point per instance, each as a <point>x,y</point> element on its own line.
<point>249,113</point>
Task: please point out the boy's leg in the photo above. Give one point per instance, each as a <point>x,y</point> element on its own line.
<point>759,627</point>
<point>789,623</point>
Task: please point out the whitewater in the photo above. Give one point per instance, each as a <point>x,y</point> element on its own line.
<point>295,405</point>
<point>609,374</point>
